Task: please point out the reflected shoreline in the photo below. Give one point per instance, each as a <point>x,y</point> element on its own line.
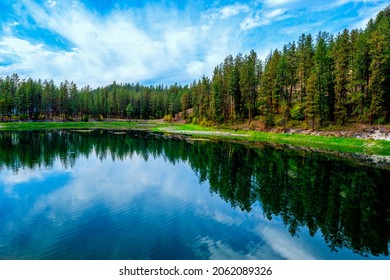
<point>341,196</point>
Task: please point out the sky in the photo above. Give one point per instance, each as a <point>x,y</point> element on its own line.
<point>157,42</point>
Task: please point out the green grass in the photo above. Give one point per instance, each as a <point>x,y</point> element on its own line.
<point>341,144</point>
<point>193,127</point>
<point>67,125</point>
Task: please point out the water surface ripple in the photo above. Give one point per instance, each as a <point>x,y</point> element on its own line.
<point>100,195</point>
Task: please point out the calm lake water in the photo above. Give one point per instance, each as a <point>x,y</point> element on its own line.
<point>106,195</point>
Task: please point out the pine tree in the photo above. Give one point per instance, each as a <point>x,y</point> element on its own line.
<point>379,57</point>
<point>292,66</point>
<point>324,71</point>
<point>268,88</point>
<point>360,74</point>
<point>185,104</point>
<point>342,74</point>
<point>305,56</point>
<point>312,98</point>
<point>73,100</point>
<point>232,79</point>
<point>239,106</point>
<point>46,98</point>
<point>217,96</point>
<point>379,84</point>
<point>63,101</point>
<point>282,86</point>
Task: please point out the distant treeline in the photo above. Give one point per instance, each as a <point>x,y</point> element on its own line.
<point>41,100</point>
<point>332,80</point>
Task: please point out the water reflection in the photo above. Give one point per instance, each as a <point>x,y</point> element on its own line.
<point>102,195</point>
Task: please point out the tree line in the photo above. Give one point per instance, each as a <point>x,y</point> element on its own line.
<point>312,82</point>
<point>41,100</point>
<point>330,79</point>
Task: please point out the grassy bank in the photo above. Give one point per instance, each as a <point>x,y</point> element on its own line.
<point>70,125</point>
<point>342,144</point>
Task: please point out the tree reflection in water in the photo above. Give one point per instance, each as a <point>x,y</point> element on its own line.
<point>348,202</point>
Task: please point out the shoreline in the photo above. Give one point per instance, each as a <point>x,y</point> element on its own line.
<point>342,141</point>
<point>369,133</point>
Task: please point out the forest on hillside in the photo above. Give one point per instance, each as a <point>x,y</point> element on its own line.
<point>313,82</point>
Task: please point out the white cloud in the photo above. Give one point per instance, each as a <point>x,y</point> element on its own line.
<point>303,28</point>
<point>262,18</point>
<point>226,12</point>
<point>195,68</point>
<point>233,10</point>
<point>154,44</point>
<point>274,13</point>
<point>277,241</point>
<point>328,5</point>
<point>11,179</point>
<point>116,183</point>
<point>8,27</point>
<point>35,58</point>
<point>218,250</point>
<point>284,245</point>
<point>367,13</point>
<point>343,2</point>
<point>274,3</point>
<point>51,3</point>
<point>125,45</point>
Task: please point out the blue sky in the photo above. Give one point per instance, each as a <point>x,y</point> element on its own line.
<point>153,42</point>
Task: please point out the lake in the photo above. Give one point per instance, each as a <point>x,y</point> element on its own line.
<point>138,195</point>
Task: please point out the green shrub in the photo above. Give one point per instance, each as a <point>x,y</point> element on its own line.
<point>297,112</point>
<point>69,118</point>
<point>269,120</point>
<point>280,120</point>
<point>168,118</point>
<point>380,121</point>
<point>85,118</point>
<point>41,117</point>
<point>23,117</point>
<point>190,117</point>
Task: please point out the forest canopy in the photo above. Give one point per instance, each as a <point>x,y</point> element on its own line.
<point>313,81</point>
